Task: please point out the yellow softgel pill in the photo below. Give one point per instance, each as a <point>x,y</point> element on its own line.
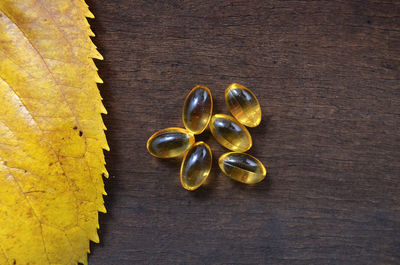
<point>242,167</point>
<point>229,133</point>
<point>243,105</point>
<point>170,142</point>
<point>197,109</point>
<point>196,166</point>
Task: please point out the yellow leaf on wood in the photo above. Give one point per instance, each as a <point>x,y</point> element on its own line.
<point>51,133</point>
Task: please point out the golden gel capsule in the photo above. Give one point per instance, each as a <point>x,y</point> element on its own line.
<point>196,166</point>
<point>197,109</point>
<point>242,167</point>
<point>243,105</point>
<point>229,133</point>
<point>170,142</point>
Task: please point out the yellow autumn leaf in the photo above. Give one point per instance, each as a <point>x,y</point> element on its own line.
<point>51,133</point>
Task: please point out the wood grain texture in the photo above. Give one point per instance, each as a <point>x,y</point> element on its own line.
<point>327,74</point>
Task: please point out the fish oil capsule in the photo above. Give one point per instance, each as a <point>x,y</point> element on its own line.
<point>229,133</point>
<point>242,167</point>
<point>243,105</point>
<point>196,166</point>
<point>170,142</point>
<point>197,109</point>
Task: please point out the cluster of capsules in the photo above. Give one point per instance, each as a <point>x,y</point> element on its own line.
<point>229,131</point>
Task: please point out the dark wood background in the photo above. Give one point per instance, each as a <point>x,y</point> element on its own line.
<point>327,74</point>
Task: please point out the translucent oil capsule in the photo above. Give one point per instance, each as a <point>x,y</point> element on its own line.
<point>242,167</point>
<point>170,142</point>
<point>197,109</point>
<point>196,166</point>
<point>229,133</point>
<point>243,105</point>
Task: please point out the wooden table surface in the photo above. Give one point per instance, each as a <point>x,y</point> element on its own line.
<point>327,75</point>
